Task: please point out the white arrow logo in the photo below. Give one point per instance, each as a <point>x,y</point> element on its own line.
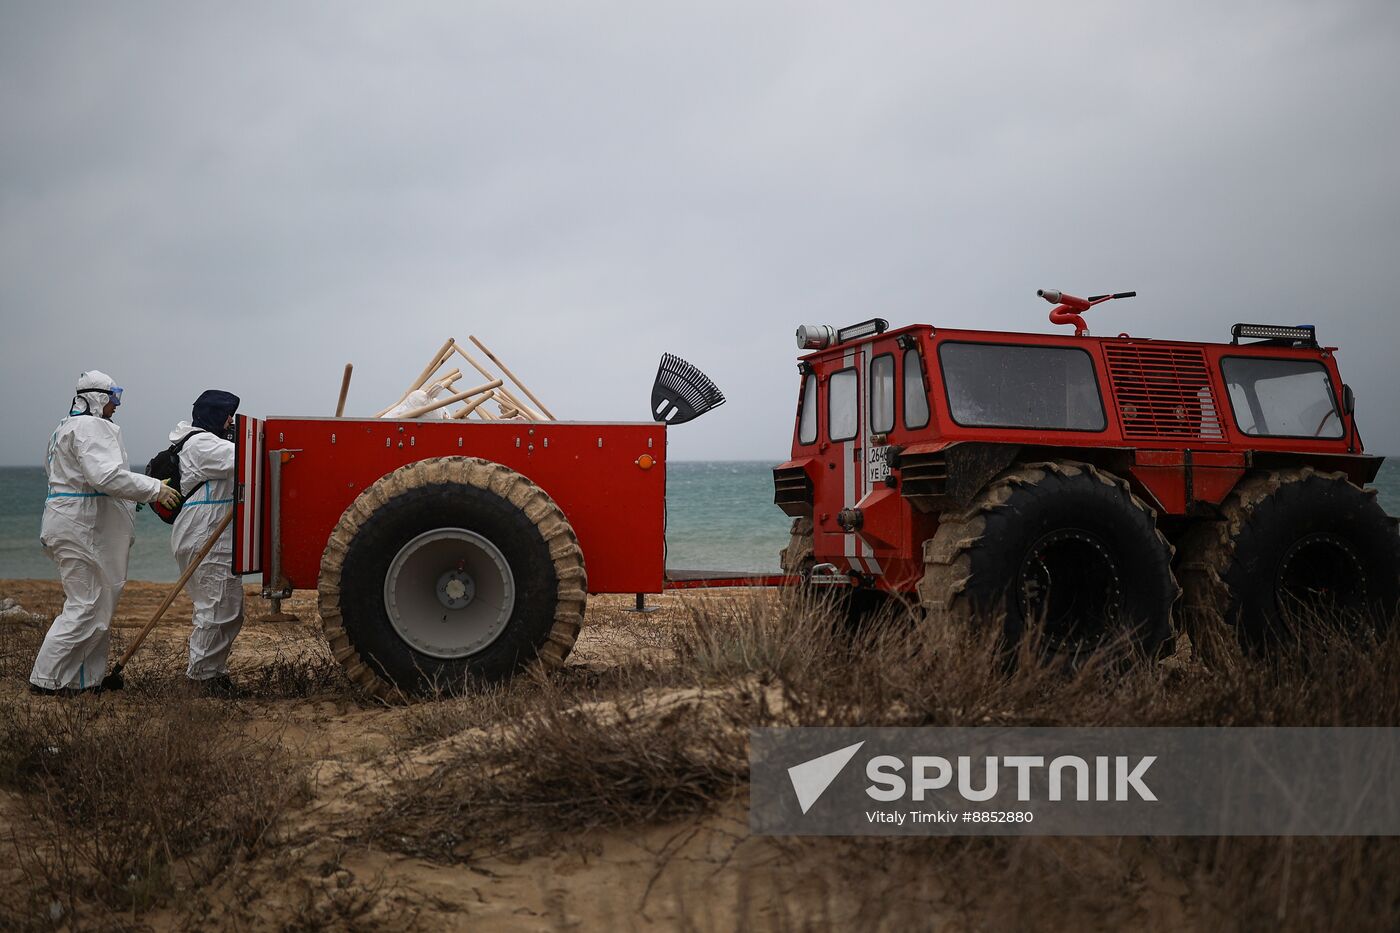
<point>811,778</point>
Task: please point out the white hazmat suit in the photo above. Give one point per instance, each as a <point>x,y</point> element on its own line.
<point>88,529</point>
<point>217,594</point>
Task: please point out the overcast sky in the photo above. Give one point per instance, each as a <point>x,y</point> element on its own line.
<point>247,196</point>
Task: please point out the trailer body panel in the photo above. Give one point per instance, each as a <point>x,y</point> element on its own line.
<point>609,480</point>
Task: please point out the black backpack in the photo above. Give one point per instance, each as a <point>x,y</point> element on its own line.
<point>166,466</point>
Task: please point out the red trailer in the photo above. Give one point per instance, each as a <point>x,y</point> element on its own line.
<point>447,553</point>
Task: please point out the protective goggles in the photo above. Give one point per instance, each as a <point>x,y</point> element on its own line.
<point>114,394</point>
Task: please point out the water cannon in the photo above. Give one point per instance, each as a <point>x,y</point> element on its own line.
<point>1068,308</point>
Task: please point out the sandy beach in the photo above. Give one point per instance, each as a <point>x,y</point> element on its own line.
<point>598,875</point>
<point>611,794</point>
<point>666,875</point>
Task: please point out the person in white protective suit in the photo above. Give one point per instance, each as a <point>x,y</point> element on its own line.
<point>207,477</point>
<point>88,529</point>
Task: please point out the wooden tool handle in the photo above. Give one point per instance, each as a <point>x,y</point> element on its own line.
<point>433,366</point>
<point>175,590</point>
<point>452,399</point>
<point>473,405</point>
<point>344,390</point>
<point>442,354</point>
<point>512,377</point>
<point>445,380</point>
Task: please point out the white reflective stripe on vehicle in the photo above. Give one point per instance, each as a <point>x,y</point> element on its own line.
<point>870,565</point>
<point>849,548</point>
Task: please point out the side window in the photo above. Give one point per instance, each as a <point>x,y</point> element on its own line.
<point>882,393</point>
<point>843,419</point>
<point>807,420</point>
<point>1002,386</point>
<point>915,397</point>
<point>1282,398</point>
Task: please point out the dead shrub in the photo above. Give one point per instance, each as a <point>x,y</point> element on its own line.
<point>553,756</point>
<point>125,805</point>
<point>19,645</point>
<point>297,667</point>
<point>553,768</point>
<point>905,671</point>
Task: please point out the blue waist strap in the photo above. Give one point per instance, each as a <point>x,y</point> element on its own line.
<point>75,495</point>
<point>208,502</point>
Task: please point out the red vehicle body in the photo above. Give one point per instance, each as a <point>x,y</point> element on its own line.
<point>1178,443</point>
<point>608,478</point>
<point>926,461</point>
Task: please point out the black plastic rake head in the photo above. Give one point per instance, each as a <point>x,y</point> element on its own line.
<point>681,392</point>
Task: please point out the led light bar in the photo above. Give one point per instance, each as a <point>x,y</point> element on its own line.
<point>815,336</point>
<point>876,325</point>
<point>1305,333</point>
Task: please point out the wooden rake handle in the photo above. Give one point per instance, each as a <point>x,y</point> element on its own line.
<point>175,590</point>
<point>344,390</point>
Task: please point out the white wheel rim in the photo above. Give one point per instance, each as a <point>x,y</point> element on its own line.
<point>449,593</point>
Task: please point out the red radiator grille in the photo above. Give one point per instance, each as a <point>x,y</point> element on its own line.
<point>1163,392</point>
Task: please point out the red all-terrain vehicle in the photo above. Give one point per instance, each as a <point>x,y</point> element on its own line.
<point>1085,482</point>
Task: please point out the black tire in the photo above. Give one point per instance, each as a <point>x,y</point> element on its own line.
<point>797,558</point>
<point>527,541</point>
<point>1060,544</point>
<point>854,608</point>
<point>1295,540</point>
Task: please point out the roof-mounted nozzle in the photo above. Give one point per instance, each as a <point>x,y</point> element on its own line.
<point>1068,308</point>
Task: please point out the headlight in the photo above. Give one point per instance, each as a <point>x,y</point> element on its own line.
<point>815,336</point>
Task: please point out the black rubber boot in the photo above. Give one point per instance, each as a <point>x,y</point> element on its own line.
<point>220,686</point>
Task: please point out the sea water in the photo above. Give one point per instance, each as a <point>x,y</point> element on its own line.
<point>719,516</point>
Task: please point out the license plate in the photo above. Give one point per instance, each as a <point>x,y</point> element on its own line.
<point>877,465</point>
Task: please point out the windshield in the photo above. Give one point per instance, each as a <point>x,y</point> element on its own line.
<point>1282,398</point>
<point>992,385</point>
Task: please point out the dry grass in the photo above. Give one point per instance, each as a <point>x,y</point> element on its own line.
<point>289,666</point>
<point>542,759</point>
<point>128,803</point>
<point>550,760</point>
<point>126,806</point>
<point>125,803</point>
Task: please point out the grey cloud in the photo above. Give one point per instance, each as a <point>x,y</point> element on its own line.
<point>250,195</point>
